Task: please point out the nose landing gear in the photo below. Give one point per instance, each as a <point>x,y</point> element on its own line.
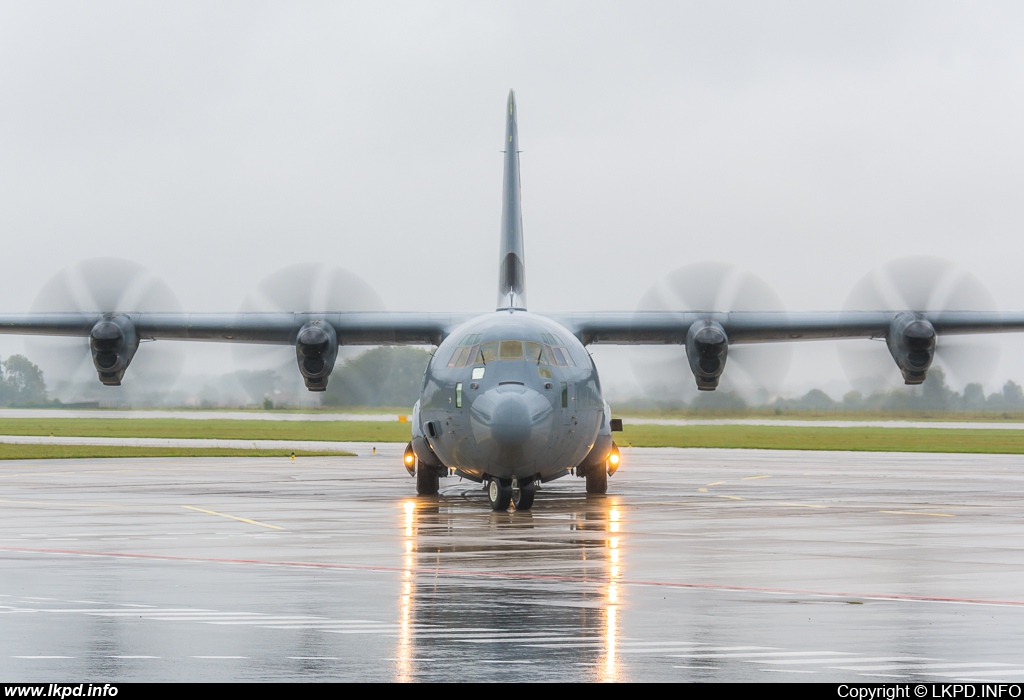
<point>499,493</point>
<point>518,492</point>
<point>522,497</point>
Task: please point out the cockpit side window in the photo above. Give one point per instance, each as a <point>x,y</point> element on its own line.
<point>460,356</point>
<point>465,353</point>
<point>488,353</point>
<point>535,352</point>
<point>559,356</point>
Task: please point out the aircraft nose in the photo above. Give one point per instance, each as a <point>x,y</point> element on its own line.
<point>511,423</point>
<point>511,415</point>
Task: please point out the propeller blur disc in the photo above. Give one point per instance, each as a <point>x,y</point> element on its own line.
<point>304,287</point>
<point>919,283</point>
<point>106,285</point>
<point>754,371</point>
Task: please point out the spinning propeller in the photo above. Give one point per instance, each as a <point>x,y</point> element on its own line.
<point>315,288</point>
<point>106,285</point>
<point>665,373</point>
<point>919,283</point>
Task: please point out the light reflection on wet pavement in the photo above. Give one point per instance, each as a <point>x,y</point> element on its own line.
<point>698,565</point>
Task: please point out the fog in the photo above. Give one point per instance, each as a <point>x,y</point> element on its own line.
<point>809,143</point>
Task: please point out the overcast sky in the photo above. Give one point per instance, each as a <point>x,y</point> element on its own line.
<point>808,142</point>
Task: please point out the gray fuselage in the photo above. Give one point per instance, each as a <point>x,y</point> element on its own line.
<point>511,395</point>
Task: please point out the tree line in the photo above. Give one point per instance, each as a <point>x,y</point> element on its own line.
<point>393,377</point>
<point>21,383</point>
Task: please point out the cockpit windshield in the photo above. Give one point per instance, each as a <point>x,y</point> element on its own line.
<point>472,352</point>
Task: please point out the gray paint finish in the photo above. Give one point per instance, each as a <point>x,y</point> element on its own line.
<point>513,422</point>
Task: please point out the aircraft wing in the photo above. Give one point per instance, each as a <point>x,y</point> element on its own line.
<point>670,327</point>
<point>911,336</point>
<point>114,338</point>
<point>351,328</point>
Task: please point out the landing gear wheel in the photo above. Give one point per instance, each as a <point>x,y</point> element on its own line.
<point>522,497</point>
<point>499,493</point>
<point>428,480</point>
<point>597,479</point>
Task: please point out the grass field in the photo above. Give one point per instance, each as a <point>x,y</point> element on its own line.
<point>808,414</point>
<point>812,438</point>
<point>724,436</point>
<point>8,451</point>
<point>331,431</point>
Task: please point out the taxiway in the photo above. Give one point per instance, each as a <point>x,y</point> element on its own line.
<point>736,565</point>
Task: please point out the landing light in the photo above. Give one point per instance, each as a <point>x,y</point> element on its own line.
<point>613,459</point>
<point>409,460</point>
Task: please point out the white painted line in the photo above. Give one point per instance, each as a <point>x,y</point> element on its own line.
<point>697,652</point>
<point>834,656</point>
<point>121,612</point>
<point>211,619</point>
<point>636,643</point>
<point>884,675</point>
<point>983,674</point>
<point>834,660</point>
<point>920,667</point>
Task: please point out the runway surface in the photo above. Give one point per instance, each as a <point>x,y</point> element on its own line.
<point>737,565</point>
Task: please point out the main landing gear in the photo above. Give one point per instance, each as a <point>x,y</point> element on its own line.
<point>597,479</point>
<point>518,492</point>
<point>428,479</point>
<point>597,474</point>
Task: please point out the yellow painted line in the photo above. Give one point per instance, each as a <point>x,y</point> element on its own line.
<point>702,490</point>
<point>716,483</point>
<point>763,476</point>
<point>731,498</point>
<point>911,512</point>
<point>234,517</point>
<point>803,505</point>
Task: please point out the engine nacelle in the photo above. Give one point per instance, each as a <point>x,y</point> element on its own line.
<point>707,347</point>
<point>316,350</point>
<point>113,342</point>
<point>911,341</point>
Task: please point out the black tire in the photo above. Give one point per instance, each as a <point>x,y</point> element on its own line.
<point>522,497</point>
<point>597,479</point>
<point>428,479</point>
<point>499,493</point>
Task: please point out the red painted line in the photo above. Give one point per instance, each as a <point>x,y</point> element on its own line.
<point>517,576</point>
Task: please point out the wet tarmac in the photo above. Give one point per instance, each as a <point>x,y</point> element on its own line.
<point>700,565</point>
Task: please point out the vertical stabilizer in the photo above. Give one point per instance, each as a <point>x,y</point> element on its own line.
<point>512,269</point>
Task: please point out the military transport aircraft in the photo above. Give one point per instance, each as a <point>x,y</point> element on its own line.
<point>511,398</point>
